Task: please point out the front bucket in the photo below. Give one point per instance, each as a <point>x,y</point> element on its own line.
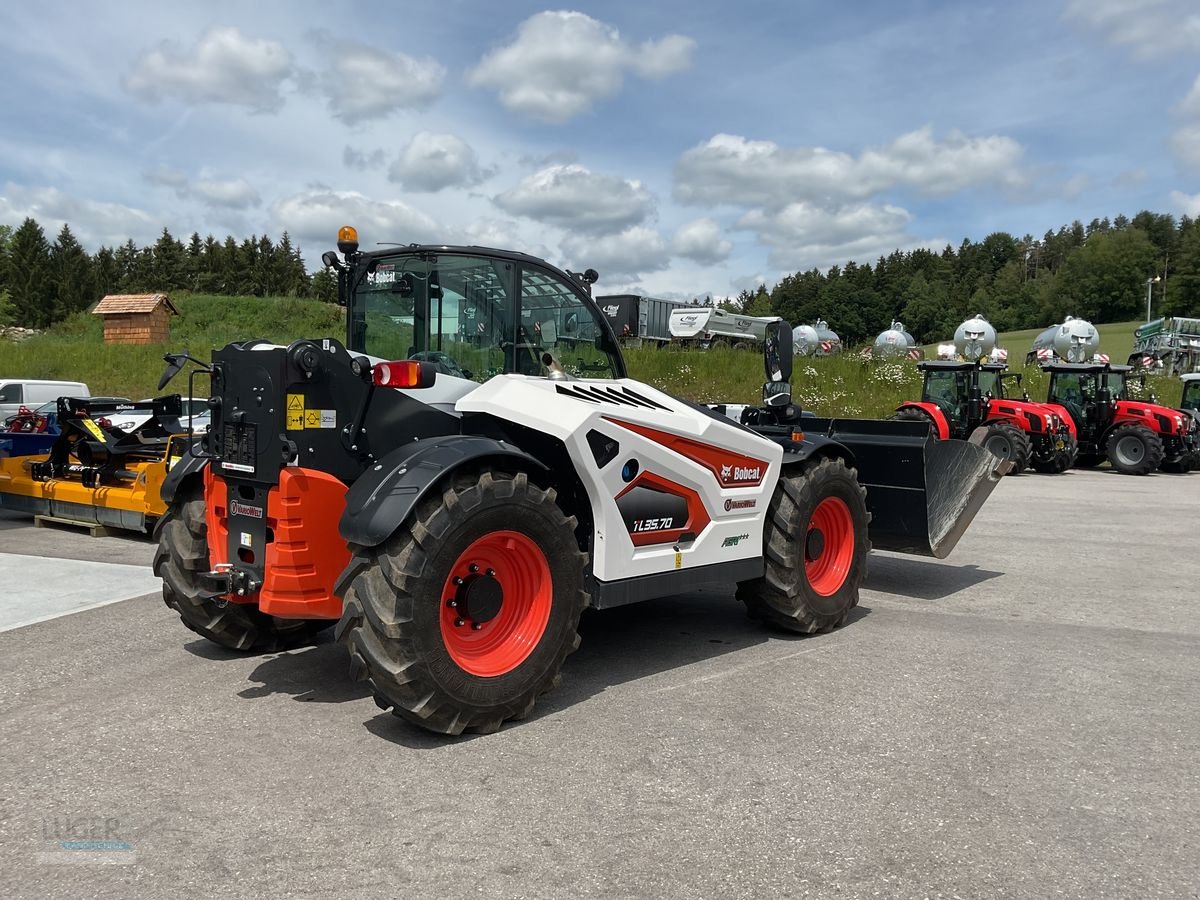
<point>922,493</point>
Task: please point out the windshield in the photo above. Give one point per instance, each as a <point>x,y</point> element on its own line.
<point>990,383</point>
<point>948,390</point>
<point>462,313</point>
<point>1191,395</point>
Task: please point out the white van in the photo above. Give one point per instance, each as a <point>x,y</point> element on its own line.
<point>17,392</point>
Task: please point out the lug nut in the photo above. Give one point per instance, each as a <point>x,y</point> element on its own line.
<point>453,604</point>
<point>457,580</point>
<point>475,626</point>
<point>459,623</point>
<point>473,568</point>
<point>490,573</point>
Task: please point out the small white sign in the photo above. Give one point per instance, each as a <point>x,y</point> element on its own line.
<point>247,540</point>
<point>329,418</point>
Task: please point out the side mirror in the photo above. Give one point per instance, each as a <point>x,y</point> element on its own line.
<point>175,362</point>
<point>777,351</point>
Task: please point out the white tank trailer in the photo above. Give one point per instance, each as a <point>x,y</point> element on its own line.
<point>817,339</point>
<point>894,341</point>
<point>1075,340</point>
<point>974,338</point>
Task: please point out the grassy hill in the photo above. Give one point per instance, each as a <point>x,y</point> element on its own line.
<point>843,386</point>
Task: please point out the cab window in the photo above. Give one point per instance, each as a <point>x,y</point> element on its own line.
<point>556,321</point>
<point>10,393</point>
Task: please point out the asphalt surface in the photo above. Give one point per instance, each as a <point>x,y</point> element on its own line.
<point>1020,720</point>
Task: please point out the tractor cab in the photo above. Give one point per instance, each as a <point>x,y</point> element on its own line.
<point>954,388</point>
<point>1084,391</point>
<point>473,312</point>
<point>1191,393</point>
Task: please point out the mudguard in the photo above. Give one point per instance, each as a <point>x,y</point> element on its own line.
<point>934,412</point>
<point>386,493</point>
<point>187,466</point>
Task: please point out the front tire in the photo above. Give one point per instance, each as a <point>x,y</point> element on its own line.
<point>815,548</point>
<point>1134,450</point>
<point>1006,441</point>
<point>182,555</point>
<point>1059,460</point>
<point>464,616</point>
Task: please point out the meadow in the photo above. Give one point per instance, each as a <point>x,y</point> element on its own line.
<point>842,385</point>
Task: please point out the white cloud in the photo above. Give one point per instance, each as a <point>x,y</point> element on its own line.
<point>93,222</point>
<point>1190,105</point>
<point>1185,142</point>
<point>431,162</point>
<point>615,256</point>
<point>1150,28</point>
<point>733,170</point>
<point>560,63</point>
<point>574,197</point>
<point>361,160</point>
<point>701,241</point>
<point>314,217</point>
<point>225,193</point>
<point>363,83</point>
<point>803,235</point>
<point>1187,204</point>
<point>223,67</point>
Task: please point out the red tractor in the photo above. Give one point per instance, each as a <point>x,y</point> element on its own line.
<point>957,397</point>
<point>1135,436</point>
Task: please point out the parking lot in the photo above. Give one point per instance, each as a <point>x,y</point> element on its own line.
<point>1018,720</point>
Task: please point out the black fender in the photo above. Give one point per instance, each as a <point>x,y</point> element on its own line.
<point>815,446</point>
<point>386,494</point>
<point>187,466</point>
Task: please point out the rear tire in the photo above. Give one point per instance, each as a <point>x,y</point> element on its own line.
<point>912,414</point>
<point>815,548</point>
<point>526,594</point>
<point>182,555</point>
<point>1134,450</point>
<point>1008,442</point>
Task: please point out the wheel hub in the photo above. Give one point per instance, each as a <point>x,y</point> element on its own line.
<point>814,544</point>
<point>479,597</point>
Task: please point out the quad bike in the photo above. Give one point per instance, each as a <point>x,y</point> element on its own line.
<point>454,529</point>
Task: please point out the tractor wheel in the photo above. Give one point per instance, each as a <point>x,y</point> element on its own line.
<point>1180,466</point>
<point>815,548</point>
<point>1061,460</point>
<point>465,615</point>
<point>912,414</point>
<point>182,554</point>
<point>1088,460</point>
<point>1134,450</point>
<point>1008,442</point>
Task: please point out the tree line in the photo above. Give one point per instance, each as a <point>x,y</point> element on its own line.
<point>1098,272</point>
<point>43,282</point>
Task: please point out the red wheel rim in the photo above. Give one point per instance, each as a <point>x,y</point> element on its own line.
<point>512,563</point>
<point>829,546</point>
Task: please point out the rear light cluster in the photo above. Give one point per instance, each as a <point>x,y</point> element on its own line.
<point>404,373</point>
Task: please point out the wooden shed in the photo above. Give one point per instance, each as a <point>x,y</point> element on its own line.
<point>136,318</point>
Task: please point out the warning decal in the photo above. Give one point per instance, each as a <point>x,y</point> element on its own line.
<point>300,418</point>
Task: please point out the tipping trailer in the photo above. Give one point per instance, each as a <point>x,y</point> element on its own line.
<point>637,320</point>
<point>453,525</point>
<point>712,327</point>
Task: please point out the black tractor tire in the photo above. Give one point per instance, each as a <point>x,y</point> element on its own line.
<point>1060,460</point>
<point>812,578</point>
<point>912,414</point>
<point>182,555</point>
<point>1134,450</point>
<point>1088,460</point>
<point>1006,441</point>
<point>417,653</point>
<point>1180,466</point>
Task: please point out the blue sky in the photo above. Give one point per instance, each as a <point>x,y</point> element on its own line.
<point>679,150</point>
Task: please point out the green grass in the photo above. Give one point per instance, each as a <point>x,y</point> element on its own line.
<point>74,350</point>
<point>834,386</point>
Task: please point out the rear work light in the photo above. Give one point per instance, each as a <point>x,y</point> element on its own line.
<point>404,373</point>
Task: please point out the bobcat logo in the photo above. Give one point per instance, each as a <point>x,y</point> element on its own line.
<point>726,472</point>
